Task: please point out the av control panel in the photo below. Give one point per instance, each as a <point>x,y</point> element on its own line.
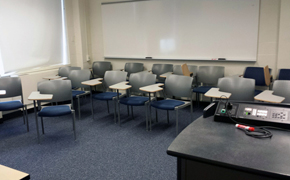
<point>263,114</point>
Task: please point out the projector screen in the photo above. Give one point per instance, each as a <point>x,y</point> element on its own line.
<point>181,29</point>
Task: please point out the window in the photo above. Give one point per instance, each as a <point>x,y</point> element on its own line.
<point>32,34</point>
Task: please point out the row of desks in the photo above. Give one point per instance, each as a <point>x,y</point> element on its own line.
<point>266,96</point>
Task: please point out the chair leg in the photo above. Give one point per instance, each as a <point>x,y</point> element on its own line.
<point>132,112</point>
<point>23,115</point>
<point>42,126</point>
<point>167,117</point>
<point>146,108</point>
<point>176,122</point>
<point>108,106</point>
<point>128,110</point>
<point>156,114</point>
<point>150,119</point>
<point>198,102</point>
<point>191,112</point>
<point>74,126</point>
<point>79,108</point>
<point>38,137</point>
<point>115,119</point>
<point>119,118</point>
<point>26,116</point>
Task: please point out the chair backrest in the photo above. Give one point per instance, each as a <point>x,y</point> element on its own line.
<point>114,77</point>
<point>100,67</point>
<point>161,69</point>
<point>193,69</point>
<point>209,75</point>
<point>60,89</point>
<point>12,85</point>
<point>282,88</point>
<point>242,89</point>
<point>177,70</point>
<point>257,73</point>
<point>138,80</point>
<point>284,74</point>
<point>179,86</point>
<point>64,71</point>
<point>78,76</point>
<point>133,68</point>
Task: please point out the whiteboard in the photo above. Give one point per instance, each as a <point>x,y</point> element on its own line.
<point>181,29</point>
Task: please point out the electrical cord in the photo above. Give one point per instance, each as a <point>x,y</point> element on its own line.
<point>258,132</point>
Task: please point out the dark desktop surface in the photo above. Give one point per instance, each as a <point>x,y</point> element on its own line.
<point>221,144</point>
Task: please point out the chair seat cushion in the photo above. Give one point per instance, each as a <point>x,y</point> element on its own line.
<point>105,95</point>
<point>257,92</point>
<point>202,89</point>
<point>75,93</point>
<point>52,111</point>
<point>134,100</point>
<point>166,104</point>
<point>10,105</point>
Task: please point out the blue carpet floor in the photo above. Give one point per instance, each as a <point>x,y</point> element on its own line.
<point>103,150</point>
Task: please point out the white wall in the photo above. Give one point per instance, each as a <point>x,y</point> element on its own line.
<point>269,34</point>
<point>284,36</point>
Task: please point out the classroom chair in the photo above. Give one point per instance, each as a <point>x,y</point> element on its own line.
<point>282,88</point>
<point>61,91</point>
<point>284,74</point>
<point>159,69</point>
<point>133,68</point>
<point>133,98</point>
<point>100,67</point>
<point>261,75</point>
<point>242,89</point>
<point>64,71</point>
<point>175,86</point>
<point>111,78</point>
<point>13,88</point>
<point>77,77</point>
<point>207,78</point>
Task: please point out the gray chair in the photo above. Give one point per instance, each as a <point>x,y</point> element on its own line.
<point>77,77</point>
<point>13,88</point>
<point>61,91</point>
<point>175,86</point>
<point>193,69</point>
<point>64,71</point>
<point>177,70</point>
<point>207,78</point>
<point>100,67</point>
<point>110,78</point>
<point>242,89</point>
<point>159,69</point>
<point>133,68</point>
<point>138,80</point>
<point>282,88</point>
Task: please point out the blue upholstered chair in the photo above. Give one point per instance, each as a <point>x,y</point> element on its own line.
<point>77,77</point>
<point>284,74</point>
<point>259,74</point>
<point>111,78</point>
<point>175,86</point>
<point>138,80</point>
<point>207,78</point>
<point>13,88</point>
<point>61,91</point>
<point>159,69</point>
<point>241,89</point>
<point>100,67</point>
